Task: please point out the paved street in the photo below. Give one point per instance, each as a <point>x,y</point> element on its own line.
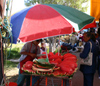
<point>78,76</point>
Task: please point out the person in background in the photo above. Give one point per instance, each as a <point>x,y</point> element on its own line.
<point>67,38</point>
<point>66,47</point>
<point>98,42</point>
<point>96,35</point>
<point>77,41</point>
<point>43,47</point>
<point>73,41</point>
<point>88,71</point>
<point>28,52</point>
<point>63,49</point>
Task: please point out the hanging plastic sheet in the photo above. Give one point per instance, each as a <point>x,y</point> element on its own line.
<point>95,9</point>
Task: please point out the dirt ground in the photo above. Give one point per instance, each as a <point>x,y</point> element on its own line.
<point>11,75</point>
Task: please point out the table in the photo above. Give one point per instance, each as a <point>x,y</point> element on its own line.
<point>63,81</point>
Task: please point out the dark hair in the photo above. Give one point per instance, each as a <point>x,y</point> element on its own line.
<point>91,35</point>
<point>63,47</point>
<point>39,40</point>
<point>98,31</point>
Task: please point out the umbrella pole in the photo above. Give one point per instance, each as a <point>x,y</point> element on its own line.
<point>59,46</point>
<point>46,51</point>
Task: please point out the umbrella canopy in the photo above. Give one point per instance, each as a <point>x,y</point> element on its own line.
<point>47,20</point>
<point>91,25</point>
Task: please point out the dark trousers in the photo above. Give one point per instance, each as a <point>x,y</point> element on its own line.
<point>22,78</point>
<point>99,65</point>
<point>65,82</point>
<point>88,79</point>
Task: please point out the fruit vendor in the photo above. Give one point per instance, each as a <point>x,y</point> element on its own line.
<point>28,52</point>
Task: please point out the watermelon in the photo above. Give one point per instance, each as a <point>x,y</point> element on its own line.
<point>68,57</point>
<point>54,62</point>
<point>53,57</point>
<point>28,64</point>
<point>56,73</point>
<point>58,60</point>
<point>67,54</point>
<point>71,60</point>
<point>62,73</point>
<point>58,54</point>
<point>67,69</point>
<point>44,55</point>
<point>51,54</point>
<point>28,70</point>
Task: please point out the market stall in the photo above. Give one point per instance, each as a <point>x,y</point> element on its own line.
<point>29,25</point>
<point>59,66</point>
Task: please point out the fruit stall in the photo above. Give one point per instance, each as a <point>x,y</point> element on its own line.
<point>56,65</point>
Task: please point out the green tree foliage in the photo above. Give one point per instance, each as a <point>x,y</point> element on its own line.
<point>77,4</point>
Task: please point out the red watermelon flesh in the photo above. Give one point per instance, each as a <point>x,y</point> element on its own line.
<point>58,54</point>
<point>67,69</point>
<point>71,60</point>
<point>53,57</point>
<point>28,64</point>
<point>44,55</point>
<point>67,54</point>
<point>54,62</point>
<point>68,57</point>
<point>58,60</point>
<point>51,53</point>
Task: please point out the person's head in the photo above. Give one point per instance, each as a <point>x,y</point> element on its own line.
<point>98,31</point>
<point>63,48</point>
<point>36,42</point>
<point>87,36</point>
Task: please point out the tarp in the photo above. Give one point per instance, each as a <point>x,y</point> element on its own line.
<point>95,9</point>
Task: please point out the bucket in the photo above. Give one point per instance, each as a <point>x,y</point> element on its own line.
<point>12,84</point>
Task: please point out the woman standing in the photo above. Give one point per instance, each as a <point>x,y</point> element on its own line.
<point>88,71</point>
<point>98,41</point>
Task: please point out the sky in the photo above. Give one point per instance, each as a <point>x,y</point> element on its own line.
<point>17,5</point>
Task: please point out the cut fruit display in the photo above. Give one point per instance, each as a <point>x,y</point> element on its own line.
<point>62,66</point>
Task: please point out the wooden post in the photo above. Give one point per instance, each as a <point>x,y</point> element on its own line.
<point>62,82</point>
<point>2,76</point>
<point>46,81</point>
<point>2,8</point>
<point>1,72</point>
<point>31,80</point>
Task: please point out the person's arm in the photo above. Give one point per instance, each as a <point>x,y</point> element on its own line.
<point>85,51</point>
<point>30,54</point>
<point>25,50</point>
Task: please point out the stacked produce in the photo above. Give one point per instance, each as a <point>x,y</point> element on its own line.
<point>58,65</point>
